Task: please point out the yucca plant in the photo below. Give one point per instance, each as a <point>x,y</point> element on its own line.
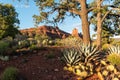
<point>89,53</point>
<point>114,49</point>
<point>114,55</point>
<point>71,56</point>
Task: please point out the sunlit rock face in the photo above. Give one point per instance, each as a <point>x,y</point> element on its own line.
<point>53,32</point>
<point>75,33</point>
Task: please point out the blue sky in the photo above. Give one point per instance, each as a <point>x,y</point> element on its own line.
<point>27,11</point>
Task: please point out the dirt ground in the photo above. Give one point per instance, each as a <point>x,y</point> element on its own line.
<point>45,64</point>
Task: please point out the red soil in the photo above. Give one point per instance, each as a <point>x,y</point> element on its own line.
<point>39,66</point>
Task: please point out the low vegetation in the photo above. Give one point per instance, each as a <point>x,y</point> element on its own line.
<point>10,73</point>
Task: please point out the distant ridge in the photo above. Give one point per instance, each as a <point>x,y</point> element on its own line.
<point>53,32</point>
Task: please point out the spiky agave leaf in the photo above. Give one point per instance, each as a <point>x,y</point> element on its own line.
<point>89,53</point>
<point>114,49</point>
<point>71,56</point>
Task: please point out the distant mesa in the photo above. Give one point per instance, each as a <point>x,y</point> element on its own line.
<point>53,32</point>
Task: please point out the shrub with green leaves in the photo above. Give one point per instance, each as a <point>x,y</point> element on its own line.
<point>114,59</point>
<point>70,41</point>
<point>114,54</point>
<point>10,73</point>
<point>3,47</point>
<point>23,44</point>
<point>33,47</point>
<point>81,60</point>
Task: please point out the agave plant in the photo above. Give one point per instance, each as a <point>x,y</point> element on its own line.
<point>114,49</point>
<point>89,53</point>
<point>71,56</point>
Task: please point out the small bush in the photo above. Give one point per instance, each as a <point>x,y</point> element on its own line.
<point>114,59</point>
<point>70,41</point>
<point>33,47</point>
<point>105,46</point>
<point>10,73</point>
<point>23,44</point>
<point>50,56</point>
<point>3,47</point>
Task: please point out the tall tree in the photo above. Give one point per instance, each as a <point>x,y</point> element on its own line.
<point>105,8</point>
<point>59,9</point>
<point>8,21</point>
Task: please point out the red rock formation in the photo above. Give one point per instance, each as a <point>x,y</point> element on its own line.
<point>75,32</point>
<point>46,30</point>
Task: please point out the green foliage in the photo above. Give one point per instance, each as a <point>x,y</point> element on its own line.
<point>33,47</point>
<point>3,47</point>
<point>114,59</point>
<point>58,9</point>
<point>42,40</point>
<point>105,47</point>
<point>23,44</point>
<point>50,55</point>
<point>10,73</point>
<point>70,41</point>
<point>8,21</point>
<point>114,54</point>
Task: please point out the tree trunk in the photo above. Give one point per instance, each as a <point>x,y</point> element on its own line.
<point>99,26</point>
<point>85,22</point>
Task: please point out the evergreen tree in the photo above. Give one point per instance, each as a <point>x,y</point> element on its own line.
<point>8,21</point>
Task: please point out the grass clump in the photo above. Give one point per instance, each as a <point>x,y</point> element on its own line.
<point>10,73</point>
<point>114,58</point>
<point>3,47</point>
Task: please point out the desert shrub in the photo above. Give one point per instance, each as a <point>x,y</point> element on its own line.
<point>4,58</point>
<point>114,54</point>
<point>87,60</point>
<point>34,47</point>
<point>105,47</point>
<point>3,47</point>
<point>10,73</point>
<point>50,55</point>
<point>42,40</point>
<point>81,61</point>
<point>32,41</point>
<point>23,44</point>
<point>51,42</point>
<point>70,41</point>
<point>114,59</point>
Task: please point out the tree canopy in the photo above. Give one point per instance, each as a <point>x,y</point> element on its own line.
<point>8,21</point>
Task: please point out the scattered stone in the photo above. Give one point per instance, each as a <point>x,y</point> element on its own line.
<point>56,70</point>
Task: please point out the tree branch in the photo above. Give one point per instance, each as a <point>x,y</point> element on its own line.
<point>73,10</point>
<point>111,14</point>
<point>90,9</point>
<point>79,1</point>
<point>105,15</point>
